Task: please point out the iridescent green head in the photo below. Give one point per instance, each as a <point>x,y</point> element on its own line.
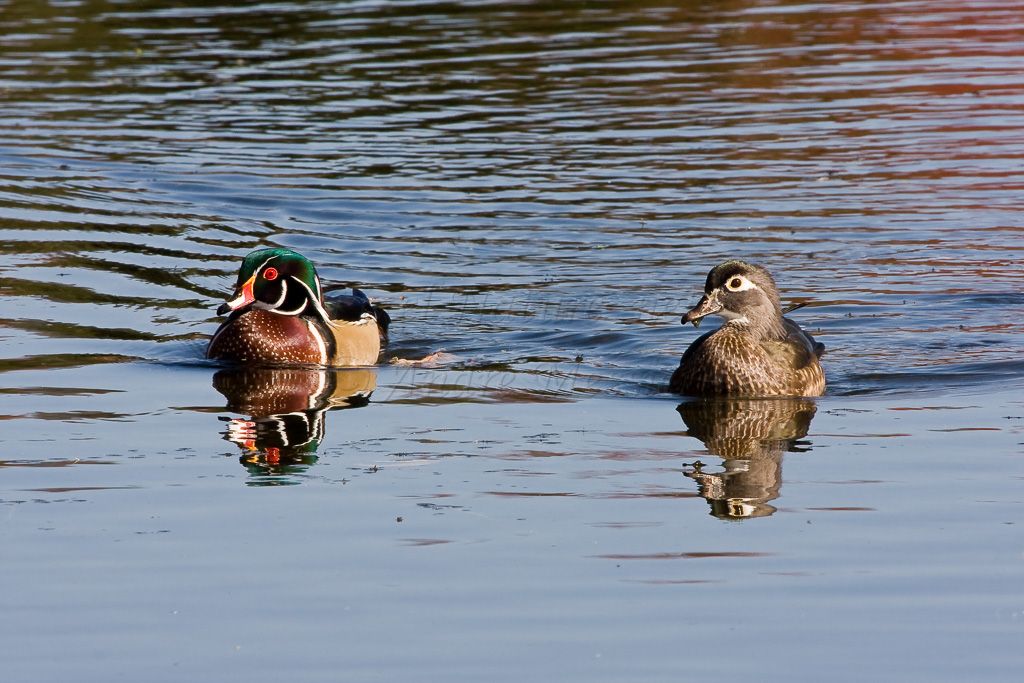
<point>278,280</point>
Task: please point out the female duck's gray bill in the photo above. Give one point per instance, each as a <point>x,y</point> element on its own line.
<point>708,305</point>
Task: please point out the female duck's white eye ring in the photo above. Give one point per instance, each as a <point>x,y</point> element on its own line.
<point>738,283</point>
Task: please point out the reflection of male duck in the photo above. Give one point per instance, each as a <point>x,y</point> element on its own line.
<point>751,436</point>
<point>287,407</point>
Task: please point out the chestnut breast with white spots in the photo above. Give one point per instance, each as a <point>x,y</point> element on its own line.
<point>264,337</point>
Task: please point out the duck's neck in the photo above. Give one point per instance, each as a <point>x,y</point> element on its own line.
<point>766,325</point>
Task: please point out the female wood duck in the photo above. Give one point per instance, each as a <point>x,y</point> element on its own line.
<point>756,352</point>
<point>279,316</point>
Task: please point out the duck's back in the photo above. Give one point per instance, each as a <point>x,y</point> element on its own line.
<point>729,362</point>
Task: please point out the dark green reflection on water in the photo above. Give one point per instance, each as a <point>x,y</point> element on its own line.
<point>751,436</point>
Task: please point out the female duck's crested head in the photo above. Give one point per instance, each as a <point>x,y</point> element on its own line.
<point>742,294</point>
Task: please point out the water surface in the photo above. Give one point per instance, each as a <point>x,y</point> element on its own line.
<point>538,191</point>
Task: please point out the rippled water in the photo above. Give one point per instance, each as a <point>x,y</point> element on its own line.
<point>536,189</point>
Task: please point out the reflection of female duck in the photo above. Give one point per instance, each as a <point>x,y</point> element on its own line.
<point>287,407</point>
<point>756,352</point>
<point>751,436</point>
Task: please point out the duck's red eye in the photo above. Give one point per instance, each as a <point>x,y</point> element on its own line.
<point>270,273</point>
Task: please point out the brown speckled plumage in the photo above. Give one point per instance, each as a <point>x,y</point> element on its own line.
<point>756,352</point>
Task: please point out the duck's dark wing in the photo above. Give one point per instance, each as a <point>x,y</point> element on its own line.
<point>383,320</point>
<point>817,348</point>
<point>352,307</point>
<point>349,307</point>
<point>800,345</point>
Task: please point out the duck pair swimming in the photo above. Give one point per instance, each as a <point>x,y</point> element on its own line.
<point>278,314</point>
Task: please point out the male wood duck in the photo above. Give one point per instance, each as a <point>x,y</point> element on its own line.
<point>278,315</point>
<point>756,352</point>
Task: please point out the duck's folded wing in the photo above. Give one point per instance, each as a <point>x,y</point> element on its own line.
<point>348,307</point>
<point>352,307</point>
<point>798,346</point>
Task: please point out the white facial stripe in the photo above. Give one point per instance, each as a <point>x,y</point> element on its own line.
<point>312,294</point>
<point>315,299</point>
<point>284,292</point>
<point>264,265</point>
<point>739,283</point>
<point>280,300</point>
<point>730,316</point>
